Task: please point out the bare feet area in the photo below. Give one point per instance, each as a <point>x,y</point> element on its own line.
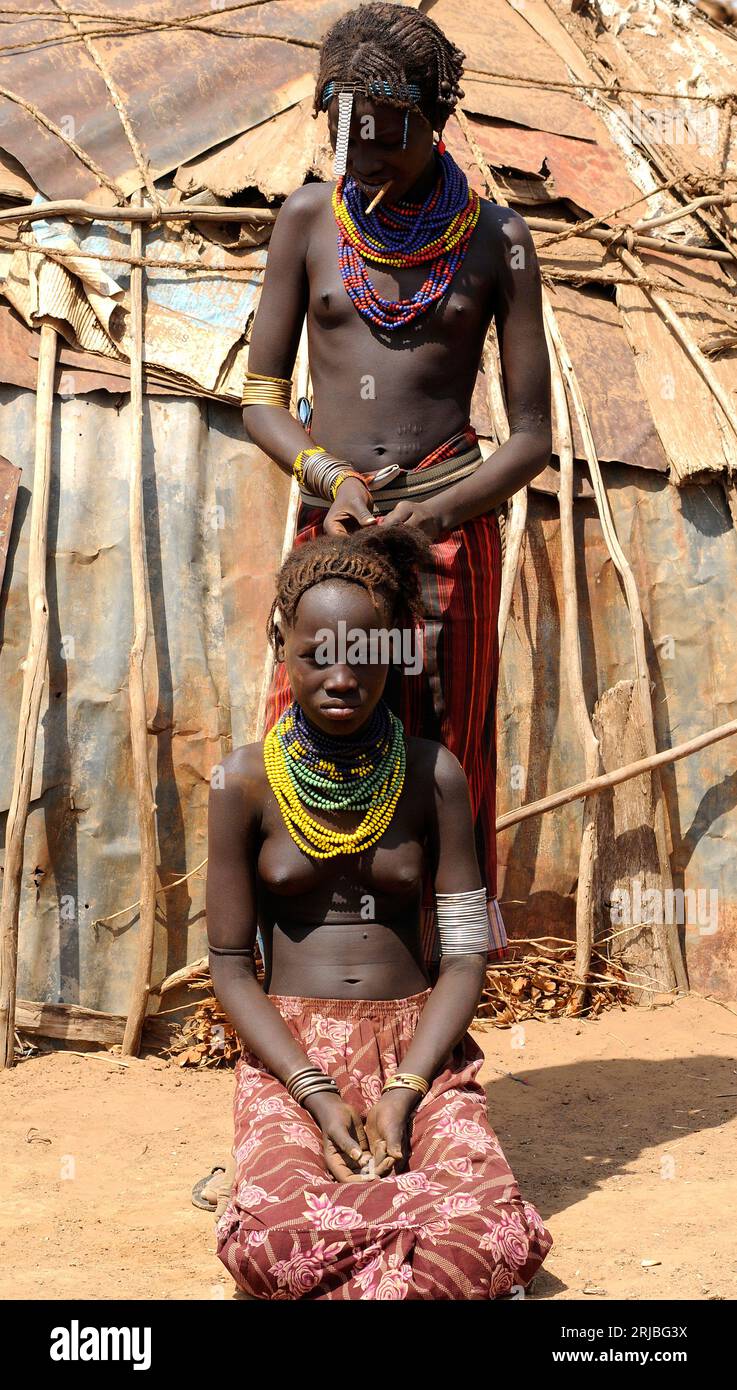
<point>620,1130</point>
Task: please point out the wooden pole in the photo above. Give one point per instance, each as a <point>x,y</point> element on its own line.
<point>34,674</point>
<point>642,674</point>
<point>206,212</point>
<point>136,212</point>
<point>516,520</point>
<point>145,804</point>
<point>302,373</point>
<point>620,774</point>
<point>571,644</point>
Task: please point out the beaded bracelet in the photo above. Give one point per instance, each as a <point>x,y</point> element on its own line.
<point>348,473</point>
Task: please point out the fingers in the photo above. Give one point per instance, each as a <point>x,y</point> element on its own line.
<point>347,1145</point>
<point>360,1133</point>
<point>399,515</point>
<point>382,1163</point>
<point>364,516</point>
<point>338,1168</point>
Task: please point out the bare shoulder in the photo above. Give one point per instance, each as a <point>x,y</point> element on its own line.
<point>305,202</point>
<point>435,770</point>
<point>503,223</point>
<point>241,776</point>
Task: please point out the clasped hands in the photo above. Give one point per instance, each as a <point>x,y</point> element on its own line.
<point>352,510</point>
<point>350,1143</point>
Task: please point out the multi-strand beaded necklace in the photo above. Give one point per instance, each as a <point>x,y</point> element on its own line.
<point>403,234</point>
<point>308,768</point>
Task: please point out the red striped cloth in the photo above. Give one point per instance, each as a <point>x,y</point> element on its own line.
<point>453,699</point>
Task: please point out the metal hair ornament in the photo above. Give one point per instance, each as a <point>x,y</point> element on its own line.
<point>406,91</point>
<point>345,109</point>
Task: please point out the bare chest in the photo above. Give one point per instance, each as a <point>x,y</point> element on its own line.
<point>355,884</point>
<point>459,319</point>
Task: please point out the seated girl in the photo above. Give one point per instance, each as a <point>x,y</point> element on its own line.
<point>366,1167</point>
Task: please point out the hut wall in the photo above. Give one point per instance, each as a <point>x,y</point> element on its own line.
<point>682,545</point>
<point>214,531</point>
<point>214,511</point>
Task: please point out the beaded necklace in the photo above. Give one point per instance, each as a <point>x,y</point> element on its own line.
<point>308,768</point>
<point>405,233</point>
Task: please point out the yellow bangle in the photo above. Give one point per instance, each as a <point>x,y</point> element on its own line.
<point>298,465</point>
<point>350,473</point>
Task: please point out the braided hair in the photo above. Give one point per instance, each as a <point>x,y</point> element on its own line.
<point>384,561</point>
<point>395,44</point>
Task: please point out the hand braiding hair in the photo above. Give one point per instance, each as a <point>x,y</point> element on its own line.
<point>386,563</point>
<point>390,43</point>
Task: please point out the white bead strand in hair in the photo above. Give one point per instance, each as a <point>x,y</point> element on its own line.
<point>345,108</point>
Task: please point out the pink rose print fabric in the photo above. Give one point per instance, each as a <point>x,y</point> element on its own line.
<point>452,1226</point>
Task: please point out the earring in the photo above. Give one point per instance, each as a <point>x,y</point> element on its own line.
<point>404,137</point>
<point>440,147</point>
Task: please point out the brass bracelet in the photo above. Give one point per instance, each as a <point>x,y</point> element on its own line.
<point>408,1081</point>
<point>266,390</point>
<point>308,1081</point>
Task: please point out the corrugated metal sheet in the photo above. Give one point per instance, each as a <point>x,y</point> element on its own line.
<point>200,103</point>
<point>682,547</point>
<point>211,580</point>
<point>185,89</point>
<point>497,40</point>
<point>194,321</point>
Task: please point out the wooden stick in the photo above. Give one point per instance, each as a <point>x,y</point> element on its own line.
<point>642,675</point>
<point>302,369</point>
<point>145,804</point>
<point>612,779</point>
<point>206,212</point>
<point>34,674</point>
<point>516,520</point>
<point>375,201</point>
<point>585,904</point>
<point>136,212</point>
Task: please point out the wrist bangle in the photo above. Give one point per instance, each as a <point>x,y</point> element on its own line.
<point>407,1080</point>
<point>348,473</point>
<point>299,463</point>
<point>307,1081</point>
<point>266,390</point>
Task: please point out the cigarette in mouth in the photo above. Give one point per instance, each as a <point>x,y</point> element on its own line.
<point>379,196</point>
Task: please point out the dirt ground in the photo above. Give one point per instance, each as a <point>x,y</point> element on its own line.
<point>623,1135</point>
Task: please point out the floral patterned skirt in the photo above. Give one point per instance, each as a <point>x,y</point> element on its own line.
<point>452,1226</point>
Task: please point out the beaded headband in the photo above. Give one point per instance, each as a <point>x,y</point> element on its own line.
<point>404,91</point>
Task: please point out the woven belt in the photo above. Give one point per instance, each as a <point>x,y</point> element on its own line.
<point>394,484</point>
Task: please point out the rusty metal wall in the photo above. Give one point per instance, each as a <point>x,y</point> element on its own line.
<point>682,546</point>
<point>214,517</point>
<point>214,530</point>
